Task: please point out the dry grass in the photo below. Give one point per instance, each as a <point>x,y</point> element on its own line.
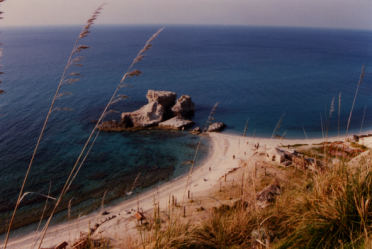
<point>65,79</point>
<point>86,242</point>
<point>1,52</point>
<point>204,129</point>
<point>361,78</point>
<point>95,132</point>
<point>328,209</point>
<point>333,212</point>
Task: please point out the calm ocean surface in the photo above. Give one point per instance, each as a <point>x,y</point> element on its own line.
<point>256,74</point>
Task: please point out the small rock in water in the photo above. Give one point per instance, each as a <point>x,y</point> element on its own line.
<point>176,123</point>
<point>196,130</point>
<point>217,126</point>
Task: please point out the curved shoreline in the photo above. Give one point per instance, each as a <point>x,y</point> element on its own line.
<point>226,153</point>
<point>70,230</point>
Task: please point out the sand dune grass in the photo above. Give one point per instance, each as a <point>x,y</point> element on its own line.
<point>328,209</point>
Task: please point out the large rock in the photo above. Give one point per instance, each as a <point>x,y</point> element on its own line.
<point>165,98</point>
<point>176,123</point>
<point>148,115</point>
<point>158,111</point>
<point>184,107</point>
<point>217,126</point>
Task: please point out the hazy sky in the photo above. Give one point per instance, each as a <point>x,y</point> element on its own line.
<point>315,13</point>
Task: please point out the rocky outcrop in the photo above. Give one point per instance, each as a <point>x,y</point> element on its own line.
<point>217,126</point>
<point>167,99</point>
<point>157,110</point>
<point>184,107</point>
<point>176,123</point>
<point>162,111</point>
<point>147,116</point>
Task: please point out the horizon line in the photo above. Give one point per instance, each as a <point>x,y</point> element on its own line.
<point>187,25</point>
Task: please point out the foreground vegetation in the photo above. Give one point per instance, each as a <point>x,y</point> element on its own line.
<point>328,208</point>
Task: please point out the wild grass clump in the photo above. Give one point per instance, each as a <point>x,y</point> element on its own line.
<point>171,236</point>
<point>327,209</point>
<point>336,213</point>
<point>228,229</point>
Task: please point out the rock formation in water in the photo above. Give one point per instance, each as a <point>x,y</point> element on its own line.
<point>184,108</point>
<point>162,110</point>
<point>148,115</point>
<point>157,110</point>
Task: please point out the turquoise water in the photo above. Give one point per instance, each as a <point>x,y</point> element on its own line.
<point>255,73</point>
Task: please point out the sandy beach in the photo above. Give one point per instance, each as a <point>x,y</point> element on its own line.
<point>226,153</point>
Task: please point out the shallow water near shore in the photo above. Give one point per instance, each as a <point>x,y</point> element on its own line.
<point>256,74</point>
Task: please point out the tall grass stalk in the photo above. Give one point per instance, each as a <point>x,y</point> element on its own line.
<point>80,160</point>
<point>363,118</point>
<point>277,126</point>
<point>72,60</point>
<point>305,134</point>
<point>330,113</point>
<point>205,129</point>
<point>321,125</point>
<point>84,159</point>
<point>42,214</point>
<point>339,113</point>
<point>361,78</point>
<point>103,200</point>
<point>1,51</point>
<point>245,128</point>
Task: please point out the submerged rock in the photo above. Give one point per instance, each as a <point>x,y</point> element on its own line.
<point>184,107</point>
<point>176,123</point>
<point>217,126</point>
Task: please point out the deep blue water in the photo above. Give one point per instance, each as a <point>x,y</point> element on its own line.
<point>254,73</point>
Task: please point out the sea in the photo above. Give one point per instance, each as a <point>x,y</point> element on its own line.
<point>267,81</point>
